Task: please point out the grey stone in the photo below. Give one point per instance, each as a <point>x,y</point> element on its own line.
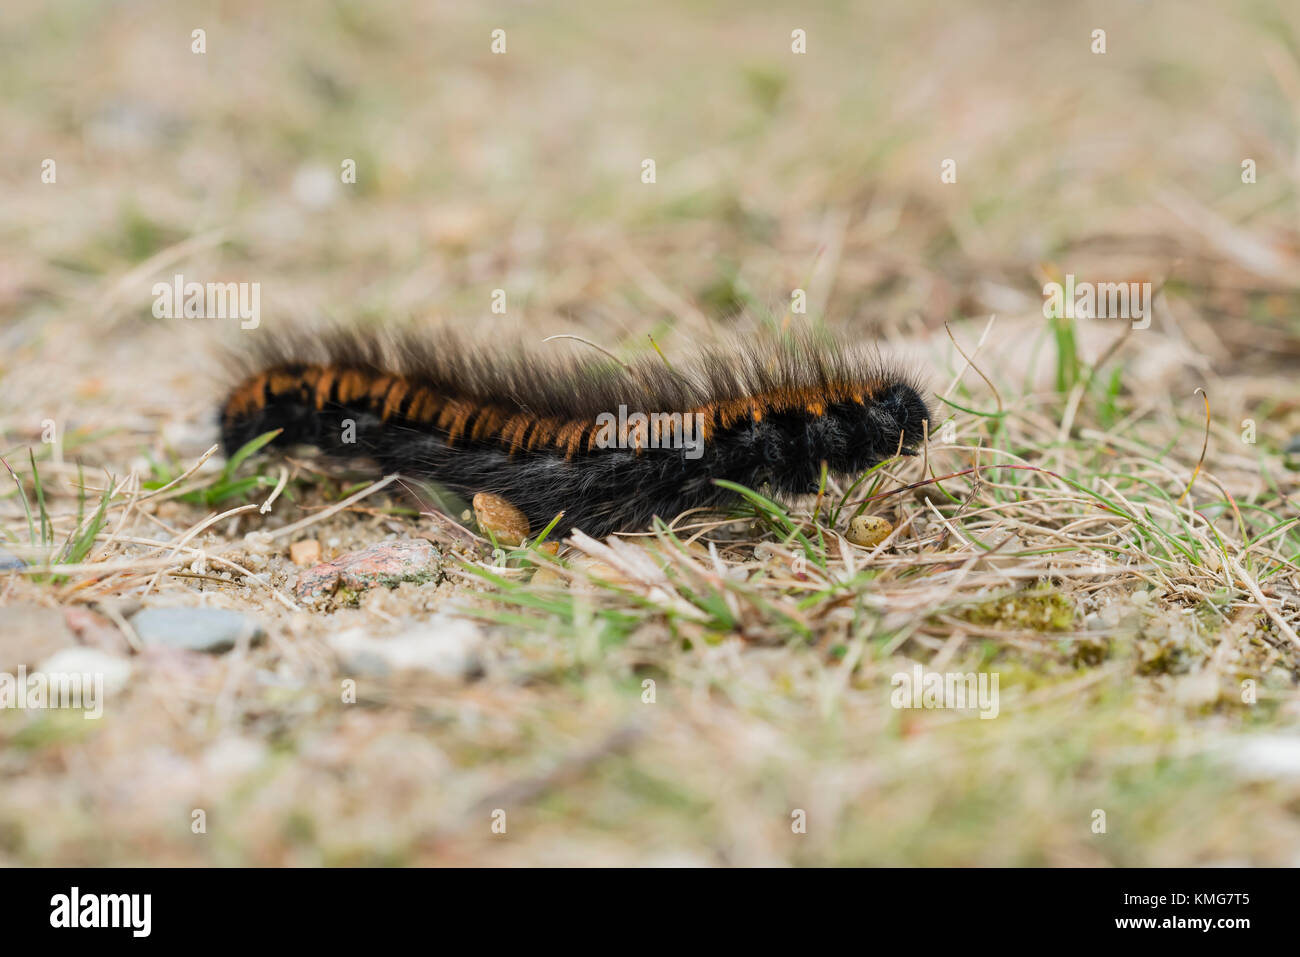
<point>214,630</point>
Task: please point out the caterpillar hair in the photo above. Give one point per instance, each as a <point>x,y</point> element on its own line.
<point>611,445</point>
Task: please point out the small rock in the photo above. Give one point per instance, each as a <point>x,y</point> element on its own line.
<point>29,633</point>
<point>547,577</point>
<point>9,561</point>
<point>444,646</point>
<point>315,185</point>
<point>596,569</point>
<point>1265,757</point>
<point>317,582</point>
<point>506,523</point>
<point>388,564</point>
<point>259,543</point>
<point>116,670</point>
<point>868,530</point>
<point>214,630</point>
<point>1196,690</point>
<point>306,552</point>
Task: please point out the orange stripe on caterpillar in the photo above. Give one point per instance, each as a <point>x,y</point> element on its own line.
<point>351,386</point>
<point>487,424</point>
<point>545,431</point>
<point>281,382</point>
<point>512,432</point>
<point>569,438</point>
<point>248,397</point>
<point>458,423</point>
<point>325,387</point>
<point>423,406</point>
<point>396,392</point>
<point>447,414</point>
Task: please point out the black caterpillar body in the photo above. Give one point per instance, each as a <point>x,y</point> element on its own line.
<point>547,436</point>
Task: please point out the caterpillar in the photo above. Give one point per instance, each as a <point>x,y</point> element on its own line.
<point>610,444</point>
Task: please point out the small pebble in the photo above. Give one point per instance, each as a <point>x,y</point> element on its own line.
<point>1267,757</point>
<point>494,514</point>
<point>9,561</point>
<point>115,669</point>
<point>593,568</point>
<point>868,530</point>
<point>213,630</point>
<point>444,646</point>
<point>315,185</point>
<point>306,552</point>
<point>387,563</point>
<point>546,577</point>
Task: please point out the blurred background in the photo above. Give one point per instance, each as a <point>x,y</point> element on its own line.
<point>522,171</point>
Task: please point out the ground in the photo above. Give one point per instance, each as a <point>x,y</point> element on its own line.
<point>718,693</point>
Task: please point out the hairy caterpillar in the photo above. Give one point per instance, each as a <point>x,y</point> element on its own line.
<point>594,438</point>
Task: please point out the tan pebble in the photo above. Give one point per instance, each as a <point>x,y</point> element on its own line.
<point>868,530</point>
<point>546,577</point>
<point>550,548</point>
<point>306,552</point>
<point>601,570</point>
<point>494,514</point>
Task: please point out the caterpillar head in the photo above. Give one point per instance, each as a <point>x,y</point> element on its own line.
<point>904,417</point>
<point>857,437</point>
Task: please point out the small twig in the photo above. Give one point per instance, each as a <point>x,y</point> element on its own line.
<point>185,539</point>
<point>279,487</point>
<point>1253,588</point>
<point>183,476</point>
<point>210,578</point>
<point>970,363</point>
